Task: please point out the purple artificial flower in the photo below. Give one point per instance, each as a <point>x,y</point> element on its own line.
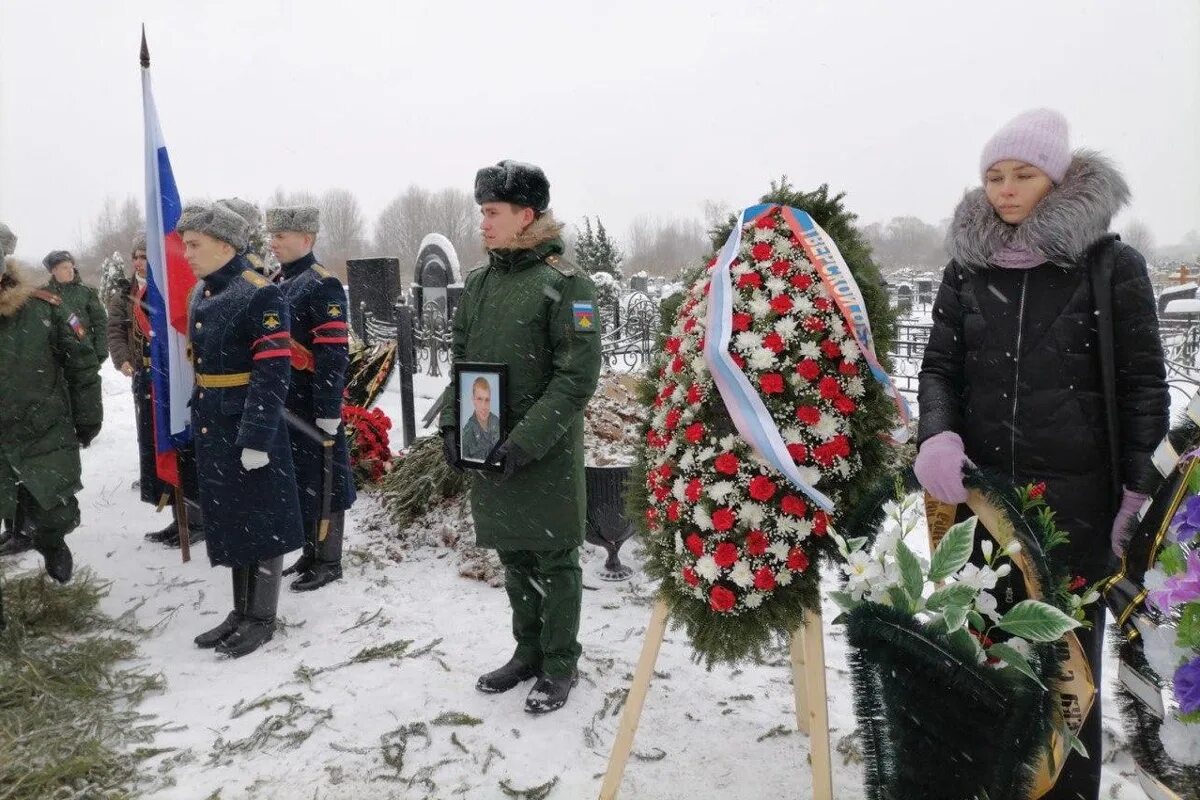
<point>1186,522</point>
<point>1187,686</point>
<point>1179,589</point>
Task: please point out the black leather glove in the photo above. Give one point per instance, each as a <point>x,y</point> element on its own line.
<point>450,448</point>
<point>510,455</point>
<point>86,433</point>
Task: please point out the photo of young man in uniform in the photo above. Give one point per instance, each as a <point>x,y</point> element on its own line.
<point>481,432</point>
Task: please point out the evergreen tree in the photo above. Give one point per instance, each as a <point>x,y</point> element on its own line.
<point>114,277</point>
<point>608,256</point>
<point>585,247</point>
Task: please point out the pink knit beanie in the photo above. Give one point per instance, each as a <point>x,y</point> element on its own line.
<point>1037,137</point>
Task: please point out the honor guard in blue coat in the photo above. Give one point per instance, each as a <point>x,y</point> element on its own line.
<point>238,324</point>
<point>320,353</point>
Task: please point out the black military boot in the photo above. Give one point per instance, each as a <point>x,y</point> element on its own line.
<point>59,563</point>
<point>505,678</point>
<point>165,536</point>
<point>550,693</point>
<point>304,563</point>
<point>257,625</point>
<point>327,566</point>
<point>195,527</point>
<point>211,638</point>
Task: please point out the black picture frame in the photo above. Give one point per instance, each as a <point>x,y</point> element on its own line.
<point>475,443</point>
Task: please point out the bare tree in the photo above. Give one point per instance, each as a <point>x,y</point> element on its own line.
<point>664,247</point>
<point>343,230</point>
<point>112,232</point>
<point>1138,236</point>
<point>416,213</point>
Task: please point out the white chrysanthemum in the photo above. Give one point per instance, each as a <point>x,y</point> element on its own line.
<point>741,574</point>
<point>855,387</point>
<point>792,435</point>
<point>761,359</point>
<point>780,550</point>
<point>763,234</point>
<point>810,475</point>
<point>810,350</point>
<point>706,454</point>
<point>659,418</point>
<point>786,327</point>
<point>802,528</point>
<point>719,490</point>
<point>748,340</point>
<point>678,542</point>
<point>776,285</point>
<point>803,305</point>
<point>728,442</point>
<point>752,514</point>
<point>707,568</point>
<point>699,368</point>
<point>783,577</point>
<point>843,468</point>
<point>678,490</point>
<point>701,518</point>
<point>827,427</point>
<point>740,268</point>
<point>784,246</point>
<point>679,394</point>
<point>753,600</point>
<point>1162,653</point>
<point>759,306</point>
<point>687,459</point>
<point>1180,741</point>
<point>850,350</point>
<point>672,448</point>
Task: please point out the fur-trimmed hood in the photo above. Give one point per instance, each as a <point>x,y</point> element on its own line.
<point>540,231</point>
<point>15,289</point>
<point>1073,216</point>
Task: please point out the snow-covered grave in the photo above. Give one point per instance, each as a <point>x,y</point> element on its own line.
<point>340,724</point>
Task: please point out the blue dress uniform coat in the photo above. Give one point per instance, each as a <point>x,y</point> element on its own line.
<point>239,333</point>
<point>321,353</point>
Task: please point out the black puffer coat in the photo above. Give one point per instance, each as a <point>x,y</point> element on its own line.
<point>1013,361</point>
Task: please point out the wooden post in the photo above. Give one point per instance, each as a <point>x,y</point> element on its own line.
<point>800,680</point>
<point>818,706</point>
<point>623,744</point>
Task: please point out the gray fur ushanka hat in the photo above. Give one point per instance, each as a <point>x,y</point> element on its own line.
<point>302,219</point>
<point>215,220</point>
<point>513,182</point>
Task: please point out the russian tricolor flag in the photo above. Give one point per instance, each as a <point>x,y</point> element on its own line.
<point>167,292</point>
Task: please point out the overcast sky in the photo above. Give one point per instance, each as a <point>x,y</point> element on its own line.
<point>631,107</point>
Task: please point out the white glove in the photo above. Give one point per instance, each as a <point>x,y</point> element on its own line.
<point>330,426</point>
<point>254,459</point>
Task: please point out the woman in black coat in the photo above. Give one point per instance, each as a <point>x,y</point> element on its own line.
<point>1016,371</point>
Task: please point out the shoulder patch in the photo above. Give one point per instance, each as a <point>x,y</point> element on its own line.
<point>584,314</point>
<point>321,271</point>
<point>255,279</point>
<point>563,265</point>
<point>47,296</point>
<point>77,327</point>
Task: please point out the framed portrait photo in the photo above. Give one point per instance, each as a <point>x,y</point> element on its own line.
<point>480,392</point>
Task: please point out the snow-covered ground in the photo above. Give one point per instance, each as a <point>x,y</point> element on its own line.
<point>392,728</point>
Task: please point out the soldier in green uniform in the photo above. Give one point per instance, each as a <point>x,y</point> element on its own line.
<point>77,296</point>
<point>533,310</point>
<point>49,408</point>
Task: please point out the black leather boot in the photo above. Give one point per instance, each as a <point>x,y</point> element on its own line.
<point>550,693</point>
<point>327,566</point>
<point>507,677</point>
<point>195,527</point>
<point>59,563</point>
<point>304,563</point>
<point>211,638</point>
<point>257,625</point>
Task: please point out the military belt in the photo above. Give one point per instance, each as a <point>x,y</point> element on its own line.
<point>222,381</point>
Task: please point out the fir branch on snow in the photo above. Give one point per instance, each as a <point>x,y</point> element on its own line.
<point>534,793</point>
<point>288,730</point>
<point>456,718</point>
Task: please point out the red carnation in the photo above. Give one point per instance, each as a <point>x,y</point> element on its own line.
<point>690,577</point>
<point>1077,583</point>
<point>652,517</point>
<point>781,304</point>
<point>801,282</point>
<point>672,345</point>
<point>673,511</point>
<point>700,344</point>
<point>741,321</point>
<point>673,417</point>
<point>822,303</point>
<point>694,433</point>
<point>764,579</point>
<point>741,362</point>
<point>651,480</point>
<point>694,396</point>
<point>712,263</point>
<point>824,455</point>
<point>756,543</point>
<point>689,325</point>
<point>831,350</point>
<point>829,388</point>
<point>726,464</point>
<point>844,404</point>
<point>841,445</point>
<point>692,492</point>
<point>797,560</point>
<point>707,286</point>
<point>808,369</point>
<point>774,342</point>
<point>762,251</point>
<point>820,523</point>
<point>664,471</point>
<point>652,438</point>
<point>694,544</point>
<point>1037,490</point>
<point>662,492</point>
<point>771,383</point>
<point>722,519</point>
<point>813,325</point>
<point>798,452</point>
<point>794,506</point>
<point>677,364</point>
<point>809,415</point>
<point>762,488</point>
<point>751,280</point>
<point>765,221</point>
<point>725,554</point>
<point>721,599</point>
<point>780,268</point>
<point>848,369</point>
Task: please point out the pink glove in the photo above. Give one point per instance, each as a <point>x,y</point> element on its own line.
<point>1126,521</point>
<point>939,467</point>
